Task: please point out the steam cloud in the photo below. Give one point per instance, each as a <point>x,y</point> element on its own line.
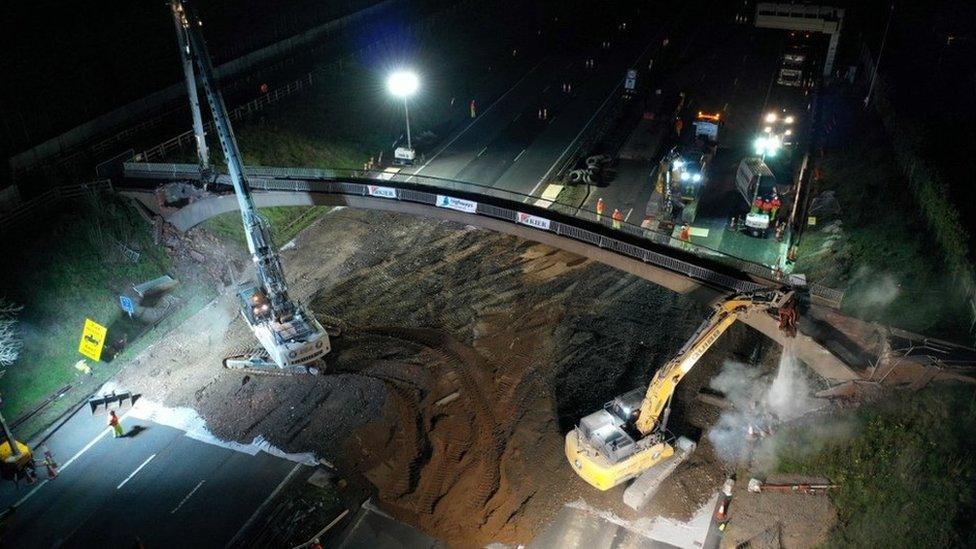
<point>757,401</point>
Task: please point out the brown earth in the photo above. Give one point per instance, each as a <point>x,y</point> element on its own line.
<point>465,357</point>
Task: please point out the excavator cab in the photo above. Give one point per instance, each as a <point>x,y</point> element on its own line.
<point>14,465</point>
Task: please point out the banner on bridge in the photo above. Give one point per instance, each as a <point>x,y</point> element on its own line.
<point>382,192</point>
<point>456,204</point>
<point>533,221</point>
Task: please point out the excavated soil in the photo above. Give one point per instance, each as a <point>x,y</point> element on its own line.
<point>465,357</point>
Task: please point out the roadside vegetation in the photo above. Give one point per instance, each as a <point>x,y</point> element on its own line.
<point>870,237</point>
<point>906,469</point>
<point>348,118</point>
<point>73,271</point>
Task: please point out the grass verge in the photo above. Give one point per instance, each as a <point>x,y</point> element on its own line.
<point>73,271</point>
<point>870,238</point>
<point>906,472</point>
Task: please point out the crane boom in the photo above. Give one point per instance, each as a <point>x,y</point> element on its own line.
<point>290,334</point>
<point>629,435</point>
<point>269,271</point>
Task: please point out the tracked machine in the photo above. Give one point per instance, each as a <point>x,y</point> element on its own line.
<point>292,340</point>
<point>629,436</point>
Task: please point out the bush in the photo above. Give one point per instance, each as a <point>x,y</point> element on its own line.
<point>907,477</point>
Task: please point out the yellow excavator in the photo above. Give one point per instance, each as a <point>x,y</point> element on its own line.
<point>629,435</point>
<point>16,458</point>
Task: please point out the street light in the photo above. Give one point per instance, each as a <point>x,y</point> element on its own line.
<point>404,84</point>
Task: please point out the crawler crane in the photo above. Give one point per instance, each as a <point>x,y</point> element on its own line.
<point>291,336</point>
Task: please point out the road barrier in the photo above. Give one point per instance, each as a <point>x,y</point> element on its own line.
<point>11,220</point>
<point>504,205</point>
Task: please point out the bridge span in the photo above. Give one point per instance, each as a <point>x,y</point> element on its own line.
<point>705,275</point>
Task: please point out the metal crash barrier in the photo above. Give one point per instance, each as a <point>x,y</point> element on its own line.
<point>112,401</point>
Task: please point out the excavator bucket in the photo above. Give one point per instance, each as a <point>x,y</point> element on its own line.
<point>112,401</point>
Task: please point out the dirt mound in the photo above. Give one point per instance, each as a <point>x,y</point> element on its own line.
<point>466,357</point>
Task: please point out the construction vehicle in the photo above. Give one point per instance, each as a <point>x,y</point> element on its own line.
<point>16,458</point>
<point>291,337</point>
<point>684,169</point>
<point>629,435</point>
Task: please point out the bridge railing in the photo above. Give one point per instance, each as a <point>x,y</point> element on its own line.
<point>384,184</point>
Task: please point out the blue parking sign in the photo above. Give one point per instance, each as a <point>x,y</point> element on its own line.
<point>127,304</point>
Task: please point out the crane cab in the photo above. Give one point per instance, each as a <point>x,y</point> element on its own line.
<point>295,340</point>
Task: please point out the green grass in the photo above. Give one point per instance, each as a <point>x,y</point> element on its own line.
<point>885,257</point>
<point>906,469</point>
<point>70,273</point>
<point>285,221</point>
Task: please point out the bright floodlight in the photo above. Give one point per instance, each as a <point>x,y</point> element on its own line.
<point>788,120</point>
<point>770,118</point>
<point>403,83</point>
<point>767,145</point>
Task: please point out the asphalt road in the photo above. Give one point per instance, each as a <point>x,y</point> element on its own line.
<point>508,146</point>
<point>728,68</point>
<point>156,484</point>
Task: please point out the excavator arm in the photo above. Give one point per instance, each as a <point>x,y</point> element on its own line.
<point>662,387</point>
<point>666,379</point>
<point>604,449</point>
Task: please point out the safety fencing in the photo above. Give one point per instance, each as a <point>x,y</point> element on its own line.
<point>68,148</point>
<point>424,190</point>
<point>187,138</point>
<point>29,209</point>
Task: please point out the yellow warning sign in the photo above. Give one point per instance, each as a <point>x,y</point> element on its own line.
<point>92,340</point>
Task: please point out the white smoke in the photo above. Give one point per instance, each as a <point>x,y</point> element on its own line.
<point>757,403</point>
<point>876,290</point>
<point>789,396</point>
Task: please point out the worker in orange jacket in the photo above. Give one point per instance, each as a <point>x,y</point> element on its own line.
<point>116,424</point>
<point>617,218</point>
<point>757,204</point>
<point>685,236</point>
<point>600,206</point>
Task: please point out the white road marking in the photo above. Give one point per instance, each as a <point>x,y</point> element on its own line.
<point>92,443</point>
<point>187,498</point>
<point>630,211</point>
<point>482,151</point>
<point>264,504</point>
<point>517,116</point>
<point>133,473</point>
<point>571,143</point>
<point>587,125</point>
<point>519,156</point>
<point>71,460</point>
<point>475,121</point>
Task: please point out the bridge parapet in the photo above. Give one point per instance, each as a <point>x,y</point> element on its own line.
<point>699,262</point>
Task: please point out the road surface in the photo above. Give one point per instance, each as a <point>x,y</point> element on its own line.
<point>157,484</point>
<point>508,146</point>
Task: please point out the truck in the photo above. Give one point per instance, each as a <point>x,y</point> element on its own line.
<point>793,68</point>
<point>683,171</point>
<point>753,179</point>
